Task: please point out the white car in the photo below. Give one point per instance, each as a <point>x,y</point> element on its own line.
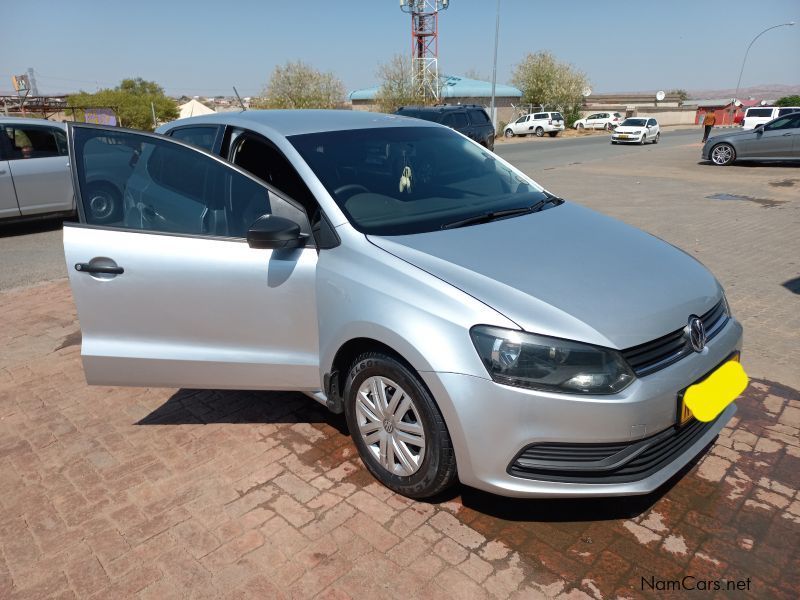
<point>601,120</point>
<point>758,115</point>
<point>537,123</point>
<point>638,130</point>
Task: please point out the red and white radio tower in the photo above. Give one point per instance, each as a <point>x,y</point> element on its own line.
<point>425,44</point>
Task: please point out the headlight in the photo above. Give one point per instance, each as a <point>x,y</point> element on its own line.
<point>637,132</point>
<point>544,363</point>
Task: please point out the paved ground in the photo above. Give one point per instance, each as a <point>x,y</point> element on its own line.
<point>116,493</point>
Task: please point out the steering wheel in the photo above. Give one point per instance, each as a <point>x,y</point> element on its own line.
<point>350,189</point>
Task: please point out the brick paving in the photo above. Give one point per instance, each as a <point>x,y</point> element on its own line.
<point>133,492</point>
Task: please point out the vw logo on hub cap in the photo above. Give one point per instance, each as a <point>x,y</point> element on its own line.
<point>697,334</point>
<point>388,425</point>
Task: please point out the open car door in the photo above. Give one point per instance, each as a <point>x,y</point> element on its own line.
<point>168,291</point>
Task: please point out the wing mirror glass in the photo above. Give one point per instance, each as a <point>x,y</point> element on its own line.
<point>269,231</point>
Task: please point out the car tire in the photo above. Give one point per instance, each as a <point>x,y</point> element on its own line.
<point>539,132</point>
<point>552,133</point>
<point>643,141</point>
<point>580,127</point>
<point>658,136</point>
<point>613,142</point>
<point>508,133</point>
<point>103,203</point>
<point>381,434</point>
<point>607,127</point>
<point>722,154</point>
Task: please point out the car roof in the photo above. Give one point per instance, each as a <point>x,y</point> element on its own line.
<point>440,108</point>
<point>29,121</point>
<point>297,122</point>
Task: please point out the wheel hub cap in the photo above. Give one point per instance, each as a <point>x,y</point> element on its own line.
<point>390,425</point>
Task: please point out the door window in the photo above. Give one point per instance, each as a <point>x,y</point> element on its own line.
<point>202,137</point>
<point>651,123</point>
<point>455,120</point>
<point>522,119</point>
<point>170,188</point>
<point>791,121</point>
<point>34,141</point>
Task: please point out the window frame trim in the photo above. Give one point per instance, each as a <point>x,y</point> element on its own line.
<point>5,150</point>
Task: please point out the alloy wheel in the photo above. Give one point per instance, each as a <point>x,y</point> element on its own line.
<point>722,154</point>
<point>389,424</point>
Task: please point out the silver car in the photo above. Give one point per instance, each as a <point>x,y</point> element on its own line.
<point>470,324</point>
<point>777,140</point>
<point>35,178</point>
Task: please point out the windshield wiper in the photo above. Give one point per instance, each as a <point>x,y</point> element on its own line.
<point>508,212</point>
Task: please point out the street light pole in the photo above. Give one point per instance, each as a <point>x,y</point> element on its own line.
<point>739,82</point>
<point>494,64</point>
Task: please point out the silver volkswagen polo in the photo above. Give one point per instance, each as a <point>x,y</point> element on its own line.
<point>470,324</point>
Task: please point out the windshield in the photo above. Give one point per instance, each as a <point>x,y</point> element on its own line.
<point>634,122</point>
<point>402,180</point>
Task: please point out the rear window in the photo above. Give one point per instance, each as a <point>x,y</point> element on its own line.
<point>558,116</point>
<point>759,112</point>
<point>478,116</point>
<point>786,111</point>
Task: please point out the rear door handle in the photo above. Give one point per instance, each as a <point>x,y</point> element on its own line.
<point>107,270</point>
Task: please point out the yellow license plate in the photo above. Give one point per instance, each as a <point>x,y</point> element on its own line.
<point>706,399</point>
<point>622,136</point>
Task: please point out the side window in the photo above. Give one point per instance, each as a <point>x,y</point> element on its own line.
<point>787,111</point>
<point>787,122</point>
<point>266,162</point>
<point>539,116</point>
<point>596,116</point>
<point>169,188</point>
<point>35,141</point>
<point>460,120</point>
<point>521,119</point>
<point>448,120</point>
<point>478,117</point>
<point>651,123</point>
<point>202,137</point>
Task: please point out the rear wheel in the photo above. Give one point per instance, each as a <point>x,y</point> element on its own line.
<point>539,132</point>
<point>397,428</point>
<point>103,202</point>
<point>508,133</point>
<point>723,154</point>
<point>552,133</point>
<point>608,127</point>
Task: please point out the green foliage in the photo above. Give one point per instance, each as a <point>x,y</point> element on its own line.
<point>545,81</point>
<point>682,94</point>
<point>788,101</point>
<point>298,85</point>
<point>131,100</point>
<point>397,87</point>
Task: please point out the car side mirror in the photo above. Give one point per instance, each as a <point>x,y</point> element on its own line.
<point>271,232</point>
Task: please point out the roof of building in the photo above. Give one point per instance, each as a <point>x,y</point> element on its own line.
<point>454,87</point>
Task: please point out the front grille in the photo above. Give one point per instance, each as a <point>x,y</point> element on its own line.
<point>606,463</point>
<point>655,355</point>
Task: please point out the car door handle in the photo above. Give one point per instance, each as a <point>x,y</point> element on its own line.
<point>785,134</point>
<point>104,269</point>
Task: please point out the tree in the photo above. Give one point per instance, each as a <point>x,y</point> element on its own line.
<point>788,101</point>
<point>681,93</point>
<point>133,100</point>
<point>298,85</point>
<point>546,81</point>
<point>397,85</point>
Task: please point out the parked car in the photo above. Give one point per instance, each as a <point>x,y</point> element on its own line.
<point>759,115</point>
<point>35,180</point>
<point>601,120</point>
<point>778,139</point>
<point>469,119</point>
<point>538,124</point>
<point>637,130</point>
<point>383,266</point>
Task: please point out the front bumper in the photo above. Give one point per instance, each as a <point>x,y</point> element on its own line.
<point>629,138</point>
<point>491,424</point>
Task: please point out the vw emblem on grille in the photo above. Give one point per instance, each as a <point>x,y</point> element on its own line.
<point>697,334</point>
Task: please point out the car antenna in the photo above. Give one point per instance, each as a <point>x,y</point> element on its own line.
<point>238,97</point>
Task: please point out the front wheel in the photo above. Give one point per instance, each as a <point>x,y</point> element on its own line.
<point>658,136</point>
<point>581,127</point>
<point>723,154</point>
<point>397,428</point>
<point>508,133</point>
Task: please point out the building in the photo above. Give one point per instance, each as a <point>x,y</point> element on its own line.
<point>457,90</point>
<point>728,111</point>
<point>669,111</point>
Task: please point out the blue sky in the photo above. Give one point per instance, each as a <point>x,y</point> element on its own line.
<point>205,47</point>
